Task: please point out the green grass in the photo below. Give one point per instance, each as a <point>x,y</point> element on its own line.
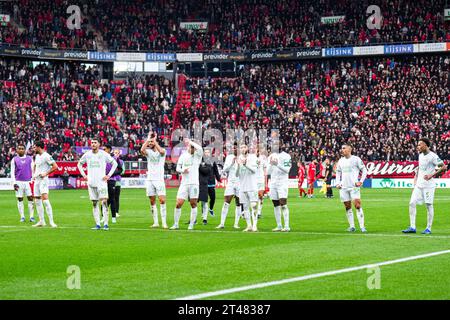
<point>132,261</point>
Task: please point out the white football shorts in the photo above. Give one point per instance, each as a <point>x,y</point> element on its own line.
<point>188,191</point>
<point>24,189</point>
<point>155,188</point>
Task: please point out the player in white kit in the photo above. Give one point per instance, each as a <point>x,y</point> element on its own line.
<point>279,167</point>
<point>430,166</point>
<point>156,157</point>
<point>44,165</point>
<point>350,175</point>
<point>187,166</point>
<point>248,186</point>
<point>261,177</point>
<point>232,189</point>
<point>96,160</point>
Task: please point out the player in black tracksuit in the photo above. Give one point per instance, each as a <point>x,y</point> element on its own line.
<point>328,177</point>
<point>208,174</point>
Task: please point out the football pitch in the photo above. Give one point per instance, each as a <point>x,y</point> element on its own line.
<point>318,259</point>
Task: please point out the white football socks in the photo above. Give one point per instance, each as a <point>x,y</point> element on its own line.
<point>350,218</point>
<point>247,217</point>
<point>163,214</point>
<point>105,213</point>
<point>223,215</point>
<point>96,214</point>
<point>49,210</point>
<point>360,216</point>
<point>176,216</point>
<point>154,210</point>
<point>31,208</point>
<point>40,210</point>
<point>237,215</point>
<point>277,212</point>
<point>412,215</point>
<point>193,215</point>
<point>21,210</point>
<point>204,210</point>
<point>430,216</point>
<point>285,211</point>
<point>253,209</point>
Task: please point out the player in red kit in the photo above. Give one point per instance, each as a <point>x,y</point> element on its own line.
<point>312,167</point>
<point>301,178</point>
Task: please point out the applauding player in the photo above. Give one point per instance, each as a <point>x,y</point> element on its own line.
<point>96,161</point>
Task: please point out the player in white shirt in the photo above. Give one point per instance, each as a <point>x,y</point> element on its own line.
<point>350,175</point>
<point>44,165</point>
<point>156,157</point>
<point>424,184</point>
<point>96,160</point>
<point>262,175</point>
<point>232,189</point>
<point>248,186</point>
<point>187,166</point>
<point>279,167</point>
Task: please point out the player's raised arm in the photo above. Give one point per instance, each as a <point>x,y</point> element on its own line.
<point>198,149</point>
<point>158,148</point>
<point>145,145</point>
<point>179,168</point>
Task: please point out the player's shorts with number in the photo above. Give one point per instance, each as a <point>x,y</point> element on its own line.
<point>232,189</point>
<point>155,188</point>
<point>24,189</point>
<point>40,187</point>
<point>278,192</point>
<point>188,191</point>
<point>99,192</point>
<point>349,194</point>
<point>422,195</point>
<point>246,197</point>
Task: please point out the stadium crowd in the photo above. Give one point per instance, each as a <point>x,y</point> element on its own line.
<point>66,105</point>
<point>232,24</point>
<point>381,105</point>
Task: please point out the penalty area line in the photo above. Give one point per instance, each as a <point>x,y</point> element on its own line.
<point>310,276</point>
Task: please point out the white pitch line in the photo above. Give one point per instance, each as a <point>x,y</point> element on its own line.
<point>308,277</point>
<point>24,228</point>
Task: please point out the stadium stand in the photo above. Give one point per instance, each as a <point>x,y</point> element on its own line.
<point>119,25</point>
<point>317,105</point>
